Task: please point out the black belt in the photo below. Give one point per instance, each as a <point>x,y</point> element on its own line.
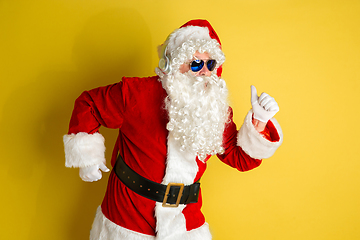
<point>170,195</point>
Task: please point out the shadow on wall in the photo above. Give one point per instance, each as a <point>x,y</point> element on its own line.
<point>112,44</point>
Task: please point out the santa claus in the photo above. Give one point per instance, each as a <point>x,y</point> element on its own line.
<point>169,126</point>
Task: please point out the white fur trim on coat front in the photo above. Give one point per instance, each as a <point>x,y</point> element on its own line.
<point>253,143</point>
<point>181,167</point>
<point>83,149</point>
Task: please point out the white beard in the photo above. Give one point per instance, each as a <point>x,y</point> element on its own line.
<point>198,110</point>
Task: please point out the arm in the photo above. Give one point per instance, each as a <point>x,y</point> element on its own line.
<point>234,155</point>
<point>257,138</point>
<point>84,145</point>
<point>259,125</point>
<point>245,148</point>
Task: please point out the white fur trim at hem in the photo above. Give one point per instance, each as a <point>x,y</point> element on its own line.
<point>104,229</point>
<point>201,233</point>
<point>253,143</point>
<point>83,149</point>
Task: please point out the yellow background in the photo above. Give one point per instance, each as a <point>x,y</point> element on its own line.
<point>305,53</point>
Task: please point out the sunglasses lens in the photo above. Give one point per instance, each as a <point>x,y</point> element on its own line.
<point>211,65</point>
<point>197,65</point>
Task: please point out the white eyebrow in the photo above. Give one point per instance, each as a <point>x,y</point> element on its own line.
<point>195,58</point>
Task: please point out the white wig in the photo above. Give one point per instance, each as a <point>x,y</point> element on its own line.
<point>182,44</point>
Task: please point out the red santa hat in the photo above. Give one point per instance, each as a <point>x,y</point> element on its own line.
<point>204,24</point>
<point>197,29</point>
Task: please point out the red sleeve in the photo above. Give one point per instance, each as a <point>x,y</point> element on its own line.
<point>234,156</point>
<point>270,132</point>
<point>100,106</point>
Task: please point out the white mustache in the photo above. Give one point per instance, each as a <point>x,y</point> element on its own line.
<point>206,80</point>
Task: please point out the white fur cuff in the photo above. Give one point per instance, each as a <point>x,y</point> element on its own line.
<point>83,149</point>
<point>253,143</point>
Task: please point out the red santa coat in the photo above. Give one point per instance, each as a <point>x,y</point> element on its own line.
<point>135,106</point>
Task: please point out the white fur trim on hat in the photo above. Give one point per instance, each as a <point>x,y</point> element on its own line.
<point>253,143</point>
<point>181,35</point>
<point>83,149</point>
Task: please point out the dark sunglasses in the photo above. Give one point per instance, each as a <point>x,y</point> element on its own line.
<point>198,64</point>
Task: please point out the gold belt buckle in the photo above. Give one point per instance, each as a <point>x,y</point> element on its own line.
<point>181,185</point>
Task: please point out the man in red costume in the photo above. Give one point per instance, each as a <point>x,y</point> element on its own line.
<point>169,126</point>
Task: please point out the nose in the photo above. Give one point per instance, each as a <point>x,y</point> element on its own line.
<point>205,71</point>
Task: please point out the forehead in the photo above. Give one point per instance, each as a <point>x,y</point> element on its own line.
<point>203,56</point>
